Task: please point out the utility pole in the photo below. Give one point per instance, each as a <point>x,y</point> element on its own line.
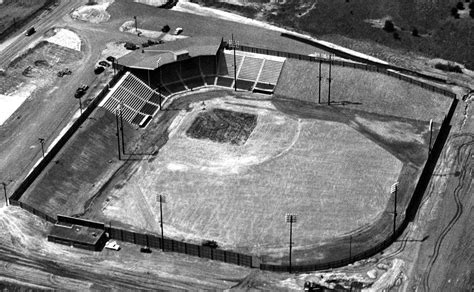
<point>136,24</point>
<point>118,133</point>
<point>5,192</point>
<point>394,191</point>
<point>350,247</point>
<point>234,44</point>
<point>320,77</point>
<point>121,127</point>
<point>162,199</point>
<point>329,79</point>
<point>290,218</point>
<point>41,140</point>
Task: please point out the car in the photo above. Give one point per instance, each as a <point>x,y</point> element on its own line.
<point>66,71</point>
<point>145,249</point>
<point>81,90</point>
<point>99,69</point>
<point>178,31</point>
<point>130,46</point>
<point>104,63</point>
<point>30,31</point>
<point>112,244</point>
<point>210,243</point>
<point>110,59</point>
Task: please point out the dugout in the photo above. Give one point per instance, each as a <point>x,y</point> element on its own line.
<point>78,233</point>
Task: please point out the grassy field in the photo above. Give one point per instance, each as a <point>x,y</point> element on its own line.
<point>325,172</point>
<point>441,35</point>
<point>361,90</point>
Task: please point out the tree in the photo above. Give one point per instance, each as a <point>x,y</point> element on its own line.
<point>454,12</point>
<point>471,6</point>
<point>414,32</point>
<point>471,13</point>
<point>389,27</point>
<point>396,36</point>
<point>460,6</point>
<point>166,28</point>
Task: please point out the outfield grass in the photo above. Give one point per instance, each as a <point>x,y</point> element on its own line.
<point>333,177</point>
<point>362,90</point>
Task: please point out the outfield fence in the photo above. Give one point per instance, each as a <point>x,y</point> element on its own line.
<point>384,239</point>
<point>387,70</point>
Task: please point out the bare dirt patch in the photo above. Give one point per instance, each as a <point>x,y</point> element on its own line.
<point>66,38</point>
<point>129,27</point>
<point>152,2</point>
<point>93,13</point>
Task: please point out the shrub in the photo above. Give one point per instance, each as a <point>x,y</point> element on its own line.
<point>396,36</point>
<point>454,12</point>
<point>389,27</point>
<point>166,28</point>
<point>460,6</point>
<point>448,67</point>
<point>471,6</point>
<point>414,32</point>
<point>471,13</point>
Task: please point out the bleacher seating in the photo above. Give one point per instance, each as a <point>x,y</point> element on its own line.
<point>250,68</point>
<point>194,82</point>
<point>175,87</point>
<point>208,65</point>
<point>210,80</point>
<point>132,99</point>
<point>189,68</point>
<point>226,64</point>
<point>270,72</point>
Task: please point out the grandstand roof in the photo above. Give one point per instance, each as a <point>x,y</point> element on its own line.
<point>158,55</point>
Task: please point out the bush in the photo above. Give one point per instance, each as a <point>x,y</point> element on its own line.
<point>460,6</point>
<point>396,36</point>
<point>166,29</point>
<point>448,67</point>
<point>389,27</point>
<point>415,33</point>
<point>454,12</point>
<point>471,6</point>
<point>471,13</point>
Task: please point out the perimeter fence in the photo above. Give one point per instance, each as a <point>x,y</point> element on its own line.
<point>43,163</point>
<point>367,67</point>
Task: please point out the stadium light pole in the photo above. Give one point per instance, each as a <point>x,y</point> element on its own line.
<point>394,191</point>
<point>161,199</point>
<point>5,192</point>
<point>431,136</point>
<point>136,25</point>
<point>320,77</point>
<point>41,140</point>
<point>290,218</point>
<point>329,80</point>
<point>234,44</point>
<point>118,133</point>
<point>350,247</point>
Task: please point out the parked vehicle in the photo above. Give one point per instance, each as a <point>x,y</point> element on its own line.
<point>104,63</point>
<point>81,91</point>
<point>110,59</point>
<point>99,69</point>
<point>30,31</point>
<point>210,243</point>
<point>63,72</point>
<point>112,244</point>
<point>145,249</point>
<point>178,31</point>
<point>130,46</point>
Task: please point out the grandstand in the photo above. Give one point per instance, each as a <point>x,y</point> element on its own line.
<point>133,99</point>
<point>175,67</point>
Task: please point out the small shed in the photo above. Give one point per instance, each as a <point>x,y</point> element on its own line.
<point>79,233</point>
